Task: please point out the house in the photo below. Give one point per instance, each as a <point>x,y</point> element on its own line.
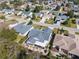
<point>22,29</point>
<point>40,14</point>
<point>65,45</point>
<point>26,14</point>
<point>64,42</point>
<point>8,11</point>
<point>19,13</point>
<point>53,6</point>
<point>76,13</point>
<point>44,11</point>
<point>62,17</point>
<point>38,40</point>
<point>76,8</point>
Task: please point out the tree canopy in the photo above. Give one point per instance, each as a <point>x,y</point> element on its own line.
<point>9,49</point>
<point>38,8</point>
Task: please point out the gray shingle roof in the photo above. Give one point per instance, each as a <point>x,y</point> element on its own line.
<point>33,32</point>
<point>26,13</point>
<point>21,28</point>
<point>38,36</point>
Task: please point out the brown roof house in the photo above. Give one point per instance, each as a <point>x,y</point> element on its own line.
<point>64,45</point>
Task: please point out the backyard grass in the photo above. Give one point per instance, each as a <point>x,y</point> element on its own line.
<point>23,39</point>
<point>39,27</point>
<point>61,31</point>
<point>18,38</point>
<point>11,22</point>
<point>77,33</point>
<point>70,23</point>
<point>37,19</point>
<point>2,17</point>
<point>49,21</point>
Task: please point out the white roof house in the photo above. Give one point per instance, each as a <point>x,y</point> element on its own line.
<point>62,18</point>
<point>53,6</point>
<point>26,14</point>
<point>39,14</point>
<point>8,11</point>
<point>19,13</point>
<point>45,11</point>
<point>76,8</point>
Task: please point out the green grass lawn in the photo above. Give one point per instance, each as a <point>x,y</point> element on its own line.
<point>18,38</point>
<point>39,27</point>
<point>37,19</point>
<point>70,23</point>
<point>23,39</point>
<point>49,21</point>
<point>2,17</point>
<point>61,31</point>
<point>77,33</point>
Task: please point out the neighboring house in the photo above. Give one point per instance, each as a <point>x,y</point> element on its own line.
<point>76,8</point>
<point>39,40</point>
<point>50,1</point>
<point>19,13</point>
<point>76,13</point>
<point>22,29</point>
<point>48,16</point>
<point>8,11</point>
<point>53,6</point>
<point>64,45</point>
<point>26,14</point>
<point>62,18</point>
<point>39,14</point>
